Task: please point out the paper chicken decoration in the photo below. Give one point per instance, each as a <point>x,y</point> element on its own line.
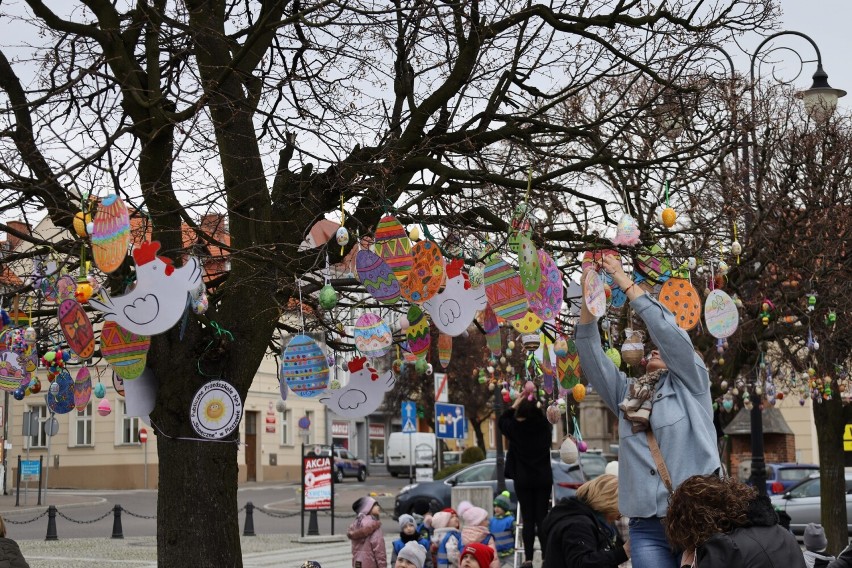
<point>453,309</point>
<point>160,297</point>
<point>363,394</point>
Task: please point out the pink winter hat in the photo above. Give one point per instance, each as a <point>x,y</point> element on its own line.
<point>441,520</point>
<point>474,516</point>
<point>463,506</point>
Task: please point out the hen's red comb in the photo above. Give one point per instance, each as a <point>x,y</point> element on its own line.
<point>357,364</point>
<point>146,252</point>
<point>454,267</point>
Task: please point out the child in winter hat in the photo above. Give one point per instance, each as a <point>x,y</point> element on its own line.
<point>815,545</point>
<point>408,534</point>
<point>476,555</point>
<point>412,555</point>
<point>476,531</point>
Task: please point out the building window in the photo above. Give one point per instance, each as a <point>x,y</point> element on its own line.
<point>38,439</point>
<point>129,427</point>
<point>83,427</point>
<point>286,429</point>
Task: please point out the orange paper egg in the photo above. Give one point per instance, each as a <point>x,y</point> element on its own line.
<point>681,297</point>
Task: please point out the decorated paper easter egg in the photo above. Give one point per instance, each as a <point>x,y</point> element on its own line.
<point>568,366</point>
<point>681,297</point>
<point>125,351</point>
<point>342,236</point>
<point>60,396</point>
<point>76,328</point>
<point>12,373</point>
<point>377,277</point>
<point>592,258</point>
<point>373,337</point>
<point>530,323</point>
<point>504,289</point>
<point>110,233</point>
<point>547,371</point>
<point>595,296</point>
<point>417,333</point>
<point>528,264</point>
<point>445,349</point>
<point>560,347</point>
<point>82,389</point>
<point>304,367</point>
<point>720,314</point>
<point>546,300</point>
<point>427,273</point>
<point>653,265</point>
<point>66,288</point>
<point>118,383</point>
<point>394,246</point>
<point>492,331</point>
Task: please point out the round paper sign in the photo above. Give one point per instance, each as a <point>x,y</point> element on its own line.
<point>720,314</point>
<point>216,410</point>
<point>594,294</point>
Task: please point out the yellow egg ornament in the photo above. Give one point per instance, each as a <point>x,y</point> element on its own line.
<point>414,234</point>
<point>579,392</point>
<point>80,224</point>
<point>668,217</point>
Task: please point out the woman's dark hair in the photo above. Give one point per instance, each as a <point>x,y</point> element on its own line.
<point>528,408</point>
<point>704,505</point>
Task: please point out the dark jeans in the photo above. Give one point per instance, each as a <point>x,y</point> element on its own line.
<point>534,503</point>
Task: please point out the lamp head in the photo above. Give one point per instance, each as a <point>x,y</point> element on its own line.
<point>821,99</point>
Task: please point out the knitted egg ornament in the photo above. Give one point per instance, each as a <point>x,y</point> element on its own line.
<point>568,451</point>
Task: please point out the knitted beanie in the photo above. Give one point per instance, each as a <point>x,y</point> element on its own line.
<point>406,520</point>
<point>414,553</point>
<point>503,501</point>
<point>481,552</point>
<point>815,540</point>
<point>363,505</point>
<point>474,516</point>
<point>441,520</point>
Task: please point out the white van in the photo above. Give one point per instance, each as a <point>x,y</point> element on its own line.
<point>400,447</point>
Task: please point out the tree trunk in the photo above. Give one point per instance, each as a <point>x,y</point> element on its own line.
<point>831,418</point>
<point>477,430</point>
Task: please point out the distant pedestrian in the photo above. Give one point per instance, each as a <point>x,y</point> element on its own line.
<point>528,464</point>
<point>10,552</point>
<point>412,555</point>
<point>368,542</point>
<point>475,531</point>
<point>477,555</point>
<point>722,523</point>
<point>815,545</point>
<point>502,526</point>
<point>446,539</point>
<point>408,533</point>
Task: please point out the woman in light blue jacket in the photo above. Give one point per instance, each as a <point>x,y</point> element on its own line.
<point>672,401</point>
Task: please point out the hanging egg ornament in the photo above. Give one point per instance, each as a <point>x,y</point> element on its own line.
<point>30,335</point>
<point>811,302</point>
<point>99,390</point>
<point>531,341</point>
<point>328,297</point>
<point>691,263</point>
<point>414,233</point>
<point>200,304</point>
<point>668,217</point>
<point>35,386</point>
<point>104,408</point>
<point>420,365</point>
<point>568,451</point>
<point>632,350</point>
<point>18,393</point>
<point>578,392</point>
<point>476,275</point>
<point>80,223</point>
<point>582,446</point>
<point>552,413</point>
<point>614,356</point>
<point>342,236</point>
<point>83,292</point>
<point>736,248</point>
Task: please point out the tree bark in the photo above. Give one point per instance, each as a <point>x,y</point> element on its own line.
<point>831,417</point>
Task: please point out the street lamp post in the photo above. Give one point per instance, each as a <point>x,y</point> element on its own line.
<point>498,441</point>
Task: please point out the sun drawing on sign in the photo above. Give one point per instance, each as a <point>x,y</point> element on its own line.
<point>215,409</point>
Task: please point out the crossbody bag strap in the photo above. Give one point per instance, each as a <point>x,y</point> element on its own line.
<point>658,459</point>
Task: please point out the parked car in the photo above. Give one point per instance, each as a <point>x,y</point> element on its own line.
<point>438,494</point>
<point>802,503</point>
<point>347,465</point>
<point>782,476</point>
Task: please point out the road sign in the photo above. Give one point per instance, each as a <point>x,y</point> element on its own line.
<point>30,470</point>
<point>442,389</point>
<point>450,421</point>
<point>51,426</point>
<point>409,417</point>
<point>143,435</point>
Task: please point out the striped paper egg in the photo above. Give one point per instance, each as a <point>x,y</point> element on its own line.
<point>417,332</point>
<point>427,273</point>
<point>492,331</point>
<point>82,389</point>
<point>528,264</point>
<point>445,349</point>
<point>110,233</point>
<point>504,290</point>
<point>125,351</point>
<point>546,301</point>
<point>394,246</point>
<point>76,328</point>
<point>377,277</point>
<point>304,367</point>
<point>373,337</point>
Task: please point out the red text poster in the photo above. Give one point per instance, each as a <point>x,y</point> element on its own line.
<point>317,483</point>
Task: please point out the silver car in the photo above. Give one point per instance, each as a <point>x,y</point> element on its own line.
<point>802,503</point>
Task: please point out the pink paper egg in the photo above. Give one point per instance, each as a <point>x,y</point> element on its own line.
<point>110,233</point>
<point>546,301</point>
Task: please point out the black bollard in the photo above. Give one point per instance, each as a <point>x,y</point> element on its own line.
<point>313,525</point>
<point>51,523</point>
<point>249,527</point>
<point>117,532</point>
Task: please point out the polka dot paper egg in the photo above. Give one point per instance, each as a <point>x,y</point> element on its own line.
<point>377,277</point>
<point>681,297</point>
<point>373,337</point>
<point>304,367</point>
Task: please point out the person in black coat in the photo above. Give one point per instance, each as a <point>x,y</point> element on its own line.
<point>10,553</point>
<point>528,464</point>
<point>722,523</point>
<point>579,530</point>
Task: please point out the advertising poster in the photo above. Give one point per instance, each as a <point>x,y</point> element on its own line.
<point>317,483</point>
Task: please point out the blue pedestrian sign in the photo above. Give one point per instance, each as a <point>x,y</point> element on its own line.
<point>449,421</point>
<point>409,417</point>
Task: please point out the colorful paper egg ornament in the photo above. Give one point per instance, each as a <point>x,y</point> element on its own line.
<point>682,299</point>
<point>394,246</point>
<point>595,296</point>
<point>62,400</point>
<point>304,367</point>
<point>528,264</point>
<point>720,314</point>
<point>125,351</point>
<point>653,265</point>
<point>568,366</point>
<point>504,290</point>
<point>76,328</point>
<point>530,323</point>
<point>546,301</point>
<point>82,389</point>
<point>417,334</point>
<point>492,331</point>
<point>373,337</point>
<point>427,273</point>
<point>110,233</point>
<point>377,277</point>
<point>445,349</point>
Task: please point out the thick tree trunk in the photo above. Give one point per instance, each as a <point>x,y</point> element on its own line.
<point>831,417</point>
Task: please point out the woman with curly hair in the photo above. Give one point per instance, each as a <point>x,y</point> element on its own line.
<point>722,523</point>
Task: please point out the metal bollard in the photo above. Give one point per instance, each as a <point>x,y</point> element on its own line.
<point>51,523</point>
<point>249,527</point>
<point>116,522</point>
